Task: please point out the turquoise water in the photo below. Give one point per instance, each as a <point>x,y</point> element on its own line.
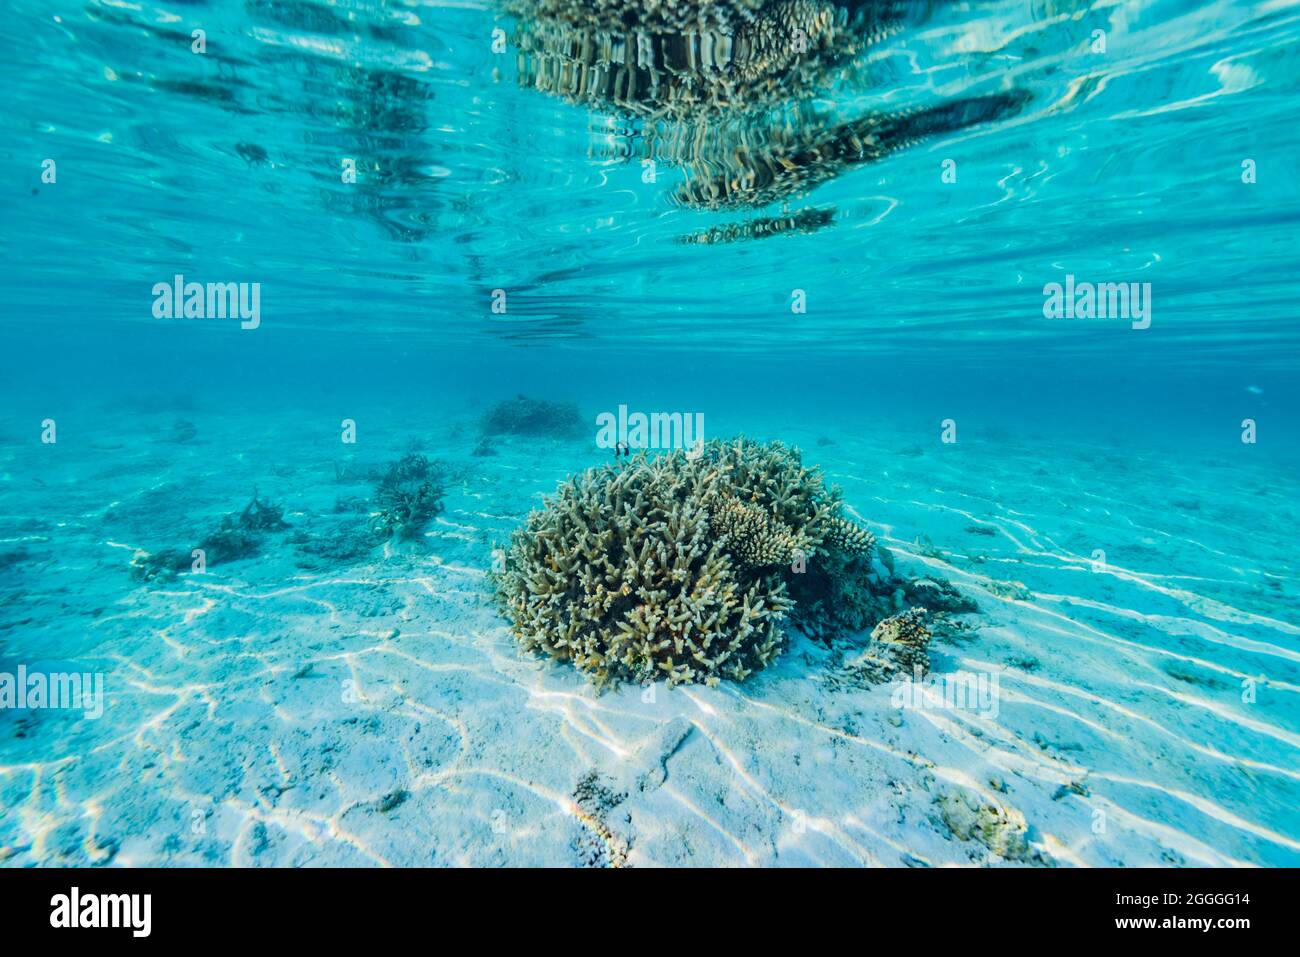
<point>835,226</point>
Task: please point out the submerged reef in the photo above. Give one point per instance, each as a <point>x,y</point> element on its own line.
<point>532,417</point>
<point>687,568</point>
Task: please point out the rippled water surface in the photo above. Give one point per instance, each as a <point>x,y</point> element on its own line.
<point>519,160</point>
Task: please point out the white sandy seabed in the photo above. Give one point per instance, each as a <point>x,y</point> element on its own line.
<point>284,711</point>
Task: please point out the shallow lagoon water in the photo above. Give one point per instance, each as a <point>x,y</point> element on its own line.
<point>1132,558</point>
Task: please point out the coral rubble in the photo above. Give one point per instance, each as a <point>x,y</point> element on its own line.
<point>235,537</point>
<point>407,494</point>
<point>897,648</point>
<point>1001,830</point>
<point>598,845</point>
<point>686,568</point>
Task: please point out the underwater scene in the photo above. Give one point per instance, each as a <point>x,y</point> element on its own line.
<point>627,433</point>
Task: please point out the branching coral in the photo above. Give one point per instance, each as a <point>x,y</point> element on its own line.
<point>676,567</point>
<point>620,575</point>
<point>260,515</point>
<point>848,538</point>
<point>406,497</point>
<point>752,536</point>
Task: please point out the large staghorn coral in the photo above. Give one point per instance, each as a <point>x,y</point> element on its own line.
<point>680,567</point>
<point>621,575</point>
